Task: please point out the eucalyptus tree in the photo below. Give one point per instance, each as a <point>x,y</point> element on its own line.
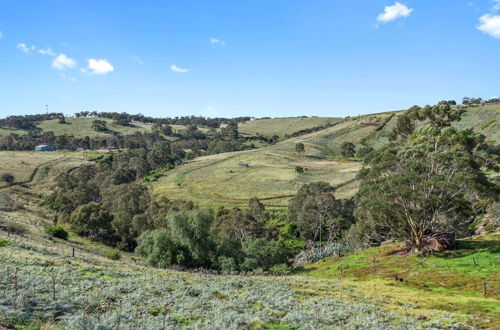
<point>427,181</point>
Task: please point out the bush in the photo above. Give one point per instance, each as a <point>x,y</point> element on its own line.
<point>7,177</point>
<point>4,242</point>
<point>14,228</point>
<point>299,169</point>
<point>227,264</point>
<point>58,232</point>
<point>317,253</point>
<point>281,269</point>
<point>114,255</point>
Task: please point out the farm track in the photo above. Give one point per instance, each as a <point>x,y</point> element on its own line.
<point>33,173</point>
<point>199,191</point>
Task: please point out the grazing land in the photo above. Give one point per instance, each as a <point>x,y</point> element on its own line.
<point>52,288</point>
<point>77,283</point>
<point>225,179</point>
<point>282,126</point>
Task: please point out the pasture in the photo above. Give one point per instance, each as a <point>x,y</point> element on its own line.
<point>282,126</point>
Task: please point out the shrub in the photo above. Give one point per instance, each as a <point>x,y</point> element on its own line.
<point>299,169</point>
<point>58,232</point>
<point>227,264</point>
<point>14,228</point>
<point>281,269</point>
<point>317,253</point>
<point>114,255</point>
<point>7,177</point>
<point>4,242</point>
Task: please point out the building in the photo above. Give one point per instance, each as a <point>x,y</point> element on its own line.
<point>44,147</point>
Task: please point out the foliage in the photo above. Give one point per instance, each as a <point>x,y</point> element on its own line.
<point>299,147</point>
<point>93,221</point>
<point>123,175</point>
<point>318,213</point>
<point>7,177</point>
<point>299,169</point>
<point>58,232</point>
<point>427,185</point>
<point>348,149</point>
<point>335,249</point>
<point>114,255</point>
<point>99,125</point>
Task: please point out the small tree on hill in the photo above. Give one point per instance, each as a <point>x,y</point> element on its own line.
<point>300,148</point>
<point>7,177</point>
<point>348,149</point>
<point>99,125</point>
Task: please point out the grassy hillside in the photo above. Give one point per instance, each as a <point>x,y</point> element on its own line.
<point>28,166</point>
<point>282,126</point>
<point>271,175</point>
<point>44,286</point>
<point>426,282</point>
<point>484,119</point>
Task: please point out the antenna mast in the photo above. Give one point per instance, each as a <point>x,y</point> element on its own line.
<point>47,108</point>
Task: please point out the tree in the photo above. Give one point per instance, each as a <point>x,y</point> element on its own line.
<point>167,130</point>
<point>160,155</point>
<point>123,175</point>
<point>62,120</point>
<point>299,147</point>
<point>187,241</point>
<point>99,125</point>
<point>348,149</point>
<point>8,178</point>
<point>93,221</point>
<point>427,185</point>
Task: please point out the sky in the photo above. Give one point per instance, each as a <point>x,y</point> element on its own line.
<point>256,58</point>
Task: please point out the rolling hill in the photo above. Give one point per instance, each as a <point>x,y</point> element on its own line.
<point>225,179</point>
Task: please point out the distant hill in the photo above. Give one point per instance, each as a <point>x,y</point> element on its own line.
<point>282,126</point>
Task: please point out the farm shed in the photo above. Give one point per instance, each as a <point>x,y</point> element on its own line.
<point>44,147</point>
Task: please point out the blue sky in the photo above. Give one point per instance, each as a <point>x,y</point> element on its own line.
<point>245,58</point>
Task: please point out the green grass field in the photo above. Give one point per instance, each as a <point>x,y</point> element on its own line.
<point>282,126</point>
<point>428,281</point>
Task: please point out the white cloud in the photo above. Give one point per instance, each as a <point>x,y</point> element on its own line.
<point>490,24</point>
<point>496,5</point>
<point>393,12</point>
<point>62,62</point>
<point>25,48</point>
<point>175,68</point>
<point>101,66</point>
<point>215,41</point>
<point>47,51</point>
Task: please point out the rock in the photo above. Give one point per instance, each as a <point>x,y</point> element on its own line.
<point>440,241</point>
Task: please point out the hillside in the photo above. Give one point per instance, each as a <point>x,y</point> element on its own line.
<point>427,282</point>
<point>29,166</point>
<point>271,176</point>
<point>81,127</point>
<point>50,283</point>
<point>282,126</point>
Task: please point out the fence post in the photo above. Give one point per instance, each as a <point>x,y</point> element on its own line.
<point>484,288</point>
